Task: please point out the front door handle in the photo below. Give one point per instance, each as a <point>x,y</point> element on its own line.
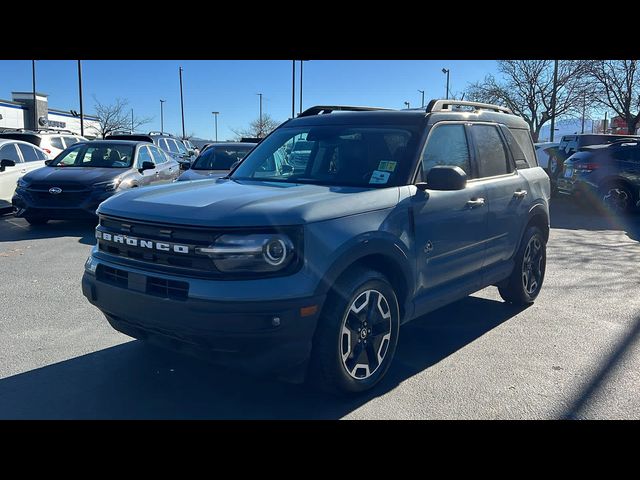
<point>157,174</point>
<point>475,202</point>
<point>520,193</point>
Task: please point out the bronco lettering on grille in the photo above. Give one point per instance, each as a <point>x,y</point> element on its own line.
<point>138,242</point>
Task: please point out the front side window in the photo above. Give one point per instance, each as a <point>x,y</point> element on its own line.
<point>9,152</point>
<point>181,148</point>
<point>158,155</point>
<point>346,155</point>
<point>144,156</point>
<point>491,155</point>
<point>56,142</point>
<point>28,153</point>
<point>447,145</point>
<point>219,158</point>
<point>101,155</point>
<point>171,145</point>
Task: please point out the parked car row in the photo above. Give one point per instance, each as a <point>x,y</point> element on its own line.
<point>602,169</point>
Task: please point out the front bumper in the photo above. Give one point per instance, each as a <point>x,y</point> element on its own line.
<point>270,336</point>
<point>27,203</point>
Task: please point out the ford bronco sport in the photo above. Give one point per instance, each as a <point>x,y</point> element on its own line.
<point>315,264</point>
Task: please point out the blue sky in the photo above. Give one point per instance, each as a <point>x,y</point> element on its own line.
<point>230,87</point>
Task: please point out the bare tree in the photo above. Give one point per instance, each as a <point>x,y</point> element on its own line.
<point>257,129</point>
<point>617,85</point>
<point>116,116</point>
<point>188,136</point>
<point>526,88</point>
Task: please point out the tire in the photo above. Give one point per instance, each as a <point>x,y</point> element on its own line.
<point>36,220</point>
<point>524,284</point>
<point>361,296</point>
<point>617,198</point>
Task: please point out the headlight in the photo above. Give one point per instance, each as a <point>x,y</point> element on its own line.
<point>260,252</point>
<point>109,186</point>
<point>22,183</point>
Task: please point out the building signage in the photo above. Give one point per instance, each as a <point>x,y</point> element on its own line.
<point>45,122</point>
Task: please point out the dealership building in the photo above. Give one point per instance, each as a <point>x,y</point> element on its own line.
<point>19,113</point>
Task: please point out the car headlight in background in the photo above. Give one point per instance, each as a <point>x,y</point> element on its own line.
<point>259,252</point>
<point>110,186</point>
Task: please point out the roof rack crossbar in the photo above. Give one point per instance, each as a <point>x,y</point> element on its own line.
<point>324,109</point>
<point>445,105</point>
<point>164,134</point>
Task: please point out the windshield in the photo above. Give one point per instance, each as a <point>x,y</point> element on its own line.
<point>220,158</point>
<point>346,155</point>
<point>102,155</point>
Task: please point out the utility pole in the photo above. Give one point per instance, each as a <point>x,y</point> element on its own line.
<point>584,108</point>
<point>301,62</point>
<point>446,70</point>
<point>35,114</point>
<point>132,120</point>
<point>553,100</point>
<point>407,104</point>
<point>215,117</point>
<point>162,116</point>
<point>293,89</point>
<point>80,93</point>
<point>604,127</point>
<point>182,105</point>
<point>422,92</point>
<point>260,133</point>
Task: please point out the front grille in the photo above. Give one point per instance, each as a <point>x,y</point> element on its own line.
<point>114,276</point>
<point>158,287</point>
<point>167,288</point>
<point>60,199</point>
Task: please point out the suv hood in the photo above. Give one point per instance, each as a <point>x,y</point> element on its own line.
<point>231,203</point>
<point>79,175</point>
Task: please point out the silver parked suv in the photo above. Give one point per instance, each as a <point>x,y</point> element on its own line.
<point>51,141</point>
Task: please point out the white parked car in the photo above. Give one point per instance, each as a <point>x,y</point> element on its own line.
<point>52,142</point>
<point>16,159</point>
<point>542,154</point>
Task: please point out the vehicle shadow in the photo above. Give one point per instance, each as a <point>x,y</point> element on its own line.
<point>138,381</point>
<point>570,214</point>
<point>14,229</point>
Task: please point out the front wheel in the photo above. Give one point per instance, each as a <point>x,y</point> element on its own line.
<point>618,199</point>
<point>525,282</point>
<point>357,333</point>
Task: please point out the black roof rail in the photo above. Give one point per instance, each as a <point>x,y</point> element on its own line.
<point>445,106</point>
<point>18,130</point>
<point>163,134</point>
<point>122,132</point>
<point>323,109</point>
<point>57,130</point>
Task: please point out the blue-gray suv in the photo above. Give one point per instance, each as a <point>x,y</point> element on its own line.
<point>311,266</point>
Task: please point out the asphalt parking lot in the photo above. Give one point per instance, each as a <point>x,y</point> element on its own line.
<point>574,354</point>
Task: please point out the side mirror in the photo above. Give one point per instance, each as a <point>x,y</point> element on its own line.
<point>48,162</point>
<point>191,153</point>
<point>445,178</point>
<point>147,166</point>
<point>185,165</point>
<point>6,163</point>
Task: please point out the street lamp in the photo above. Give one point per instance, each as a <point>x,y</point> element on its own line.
<point>293,90</point>
<point>215,116</point>
<point>80,95</point>
<point>422,92</point>
<point>162,116</point>
<point>446,70</point>
<point>407,104</point>
<point>182,104</point>
<point>301,63</point>
<point>35,114</point>
<point>260,120</point>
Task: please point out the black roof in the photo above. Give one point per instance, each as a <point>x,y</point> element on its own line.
<point>109,141</point>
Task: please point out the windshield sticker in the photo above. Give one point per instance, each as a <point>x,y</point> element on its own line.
<point>378,177</point>
<point>387,166</point>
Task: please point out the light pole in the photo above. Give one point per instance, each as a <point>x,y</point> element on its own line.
<point>293,89</point>
<point>553,99</point>
<point>422,92</point>
<point>301,63</point>
<point>446,70</point>
<point>80,94</point>
<point>132,120</point>
<point>260,118</point>
<point>182,104</point>
<point>162,116</point>
<point>407,104</point>
<point>35,114</point>
<point>215,117</point>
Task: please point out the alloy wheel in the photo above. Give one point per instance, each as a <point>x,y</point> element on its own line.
<point>617,200</point>
<point>533,266</point>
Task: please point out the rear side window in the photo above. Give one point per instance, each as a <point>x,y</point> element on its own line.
<point>9,152</point>
<point>70,141</point>
<point>144,155</point>
<point>158,155</point>
<point>447,145</point>
<point>171,145</point>
<point>525,143</point>
<point>56,142</point>
<point>490,152</point>
<point>28,153</point>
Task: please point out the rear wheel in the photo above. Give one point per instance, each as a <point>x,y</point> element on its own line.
<point>525,282</point>
<point>617,198</point>
<point>357,334</point>
<point>36,220</point>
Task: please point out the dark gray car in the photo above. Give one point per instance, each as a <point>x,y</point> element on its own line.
<point>310,266</point>
<point>74,183</point>
<point>216,160</point>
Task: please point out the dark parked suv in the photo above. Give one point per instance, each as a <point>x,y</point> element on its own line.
<point>172,145</point>
<point>74,183</point>
<point>608,174</point>
<point>313,267</point>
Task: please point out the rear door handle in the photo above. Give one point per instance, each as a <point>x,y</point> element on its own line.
<point>520,193</point>
<point>475,202</point>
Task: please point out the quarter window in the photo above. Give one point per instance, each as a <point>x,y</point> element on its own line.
<point>9,152</point>
<point>447,145</point>
<point>56,142</point>
<point>28,153</point>
<point>491,155</point>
